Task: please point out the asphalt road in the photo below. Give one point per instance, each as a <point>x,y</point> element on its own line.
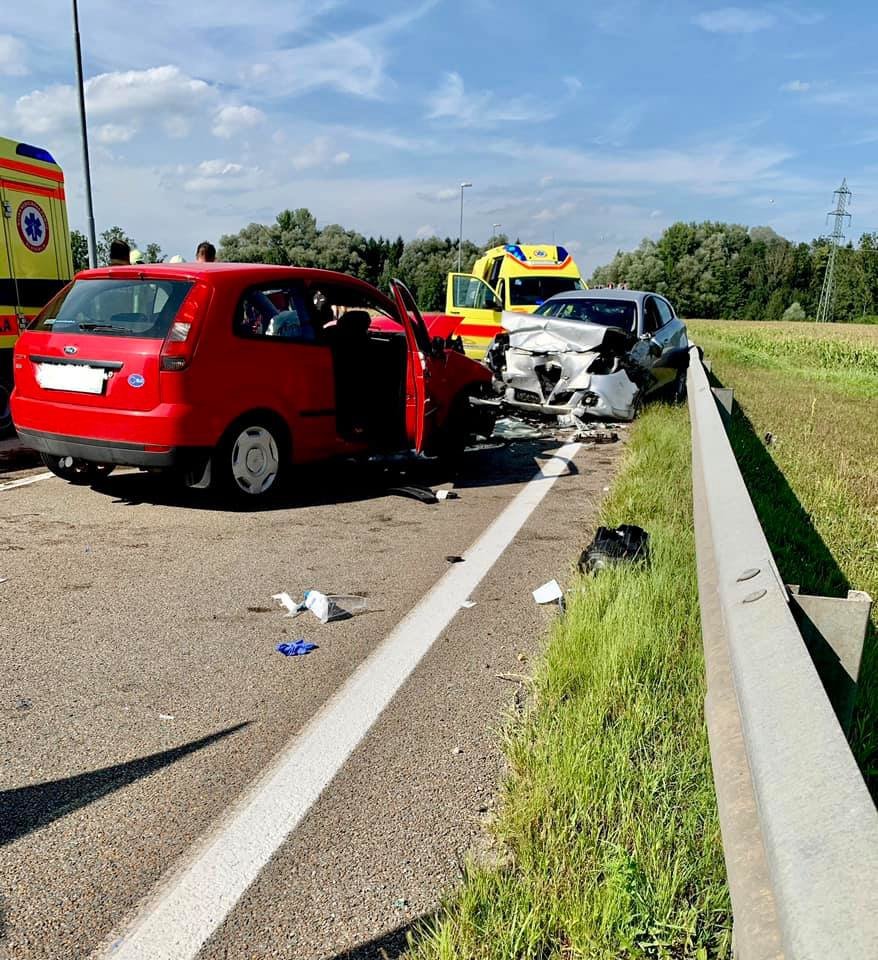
<point>142,697</point>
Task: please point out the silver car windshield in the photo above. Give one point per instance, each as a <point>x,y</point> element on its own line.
<point>606,313</point>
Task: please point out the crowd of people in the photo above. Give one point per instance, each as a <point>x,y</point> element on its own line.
<point>121,254</point>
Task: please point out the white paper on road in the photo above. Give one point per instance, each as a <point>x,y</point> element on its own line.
<point>548,592</point>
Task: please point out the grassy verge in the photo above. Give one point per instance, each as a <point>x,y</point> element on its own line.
<point>607,836</point>
<point>815,390</point>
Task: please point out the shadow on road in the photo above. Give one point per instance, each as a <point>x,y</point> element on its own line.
<point>494,464</point>
<point>389,946</point>
<point>803,558</point>
<point>26,809</point>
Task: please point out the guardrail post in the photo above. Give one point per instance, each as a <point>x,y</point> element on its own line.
<point>834,629</point>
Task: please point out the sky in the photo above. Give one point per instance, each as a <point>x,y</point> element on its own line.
<point>593,125</point>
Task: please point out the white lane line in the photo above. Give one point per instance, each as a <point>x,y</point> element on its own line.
<point>196,900</point>
<point>25,481</point>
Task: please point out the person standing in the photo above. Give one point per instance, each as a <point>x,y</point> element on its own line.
<point>206,252</point>
<point>120,254</point>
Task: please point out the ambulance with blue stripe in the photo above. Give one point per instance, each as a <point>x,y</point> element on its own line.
<point>515,277</point>
<point>35,257</point>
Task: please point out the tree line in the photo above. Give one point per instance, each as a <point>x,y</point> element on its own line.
<point>709,269</point>
<point>727,271</point>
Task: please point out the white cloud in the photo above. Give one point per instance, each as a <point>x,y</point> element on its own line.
<point>133,98</point>
<point>735,20</point>
<point>318,153</point>
<point>233,120</point>
<point>13,56</point>
<point>216,176</point>
<point>341,158</point>
<point>425,232</point>
<point>654,213</point>
<point>442,195</point>
<point>115,133</point>
<point>796,86</point>
<point>352,63</point>
<point>481,109</point>
<point>218,168</point>
<point>573,84</point>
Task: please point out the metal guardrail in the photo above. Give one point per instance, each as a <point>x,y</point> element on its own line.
<point>800,831</point>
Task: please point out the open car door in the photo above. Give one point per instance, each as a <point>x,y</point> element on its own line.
<point>469,297</point>
<point>419,407</point>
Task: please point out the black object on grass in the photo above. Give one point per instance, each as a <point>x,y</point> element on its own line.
<point>623,544</point>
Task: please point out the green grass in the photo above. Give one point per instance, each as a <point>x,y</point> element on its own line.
<point>606,843</point>
<point>815,389</point>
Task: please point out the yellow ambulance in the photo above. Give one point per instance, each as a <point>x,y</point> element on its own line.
<point>35,257</point>
<point>517,277</point>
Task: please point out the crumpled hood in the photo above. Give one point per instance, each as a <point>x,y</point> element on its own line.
<point>541,334</point>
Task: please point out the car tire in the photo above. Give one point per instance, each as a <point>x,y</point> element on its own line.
<point>451,441</point>
<point>82,473</point>
<point>5,411</point>
<point>250,462</point>
<point>677,389</point>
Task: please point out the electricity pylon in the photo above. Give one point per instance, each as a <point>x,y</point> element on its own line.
<point>827,294</point>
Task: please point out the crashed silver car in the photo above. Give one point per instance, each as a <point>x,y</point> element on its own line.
<point>589,354</point>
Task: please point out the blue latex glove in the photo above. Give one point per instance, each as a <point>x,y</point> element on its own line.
<point>297,649</point>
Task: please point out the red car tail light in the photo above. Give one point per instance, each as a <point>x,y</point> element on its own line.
<point>182,337</point>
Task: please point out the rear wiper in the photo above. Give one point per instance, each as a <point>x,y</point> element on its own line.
<point>105,327</point>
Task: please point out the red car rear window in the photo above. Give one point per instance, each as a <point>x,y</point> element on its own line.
<point>122,308</point>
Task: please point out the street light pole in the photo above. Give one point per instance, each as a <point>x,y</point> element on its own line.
<point>494,228</point>
<point>460,235</point>
<point>92,243</point>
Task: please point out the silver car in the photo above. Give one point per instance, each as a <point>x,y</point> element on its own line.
<point>589,354</point>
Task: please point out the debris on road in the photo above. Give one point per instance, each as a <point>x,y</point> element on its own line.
<point>457,751</point>
<point>454,558</point>
<point>286,601</point>
<point>4,579</point>
<point>400,904</point>
<point>447,495</point>
<point>325,607</point>
<point>296,649</point>
<point>549,592</point>
<point>769,439</point>
<point>468,604</point>
<point>511,428</point>
<point>626,543</point>
<point>598,436</point>
<point>423,494</point>
<point>167,716</point>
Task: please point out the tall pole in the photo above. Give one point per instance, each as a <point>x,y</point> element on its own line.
<point>460,235</point>
<point>840,216</point>
<point>494,228</point>
<point>92,242</point>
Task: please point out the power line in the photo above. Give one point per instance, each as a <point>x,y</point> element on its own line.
<point>827,294</point>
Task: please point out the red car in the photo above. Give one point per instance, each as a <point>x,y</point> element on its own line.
<point>231,373</point>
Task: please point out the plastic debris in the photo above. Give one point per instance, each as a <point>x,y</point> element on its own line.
<point>457,751</point>
<point>286,601</point>
<point>167,716</point>
<point>454,558</point>
<point>512,429</point>
<point>400,903</point>
<point>626,543</point>
<point>447,495</point>
<point>549,592</point>
<point>324,606</point>
<point>468,604</point>
<point>296,649</point>
<point>769,439</point>
<point>598,436</point>
<point>424,494</point>
<point>4,579</point>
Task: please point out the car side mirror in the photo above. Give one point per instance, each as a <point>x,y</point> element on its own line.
<point>492,303</point>
<point>438,345</point>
